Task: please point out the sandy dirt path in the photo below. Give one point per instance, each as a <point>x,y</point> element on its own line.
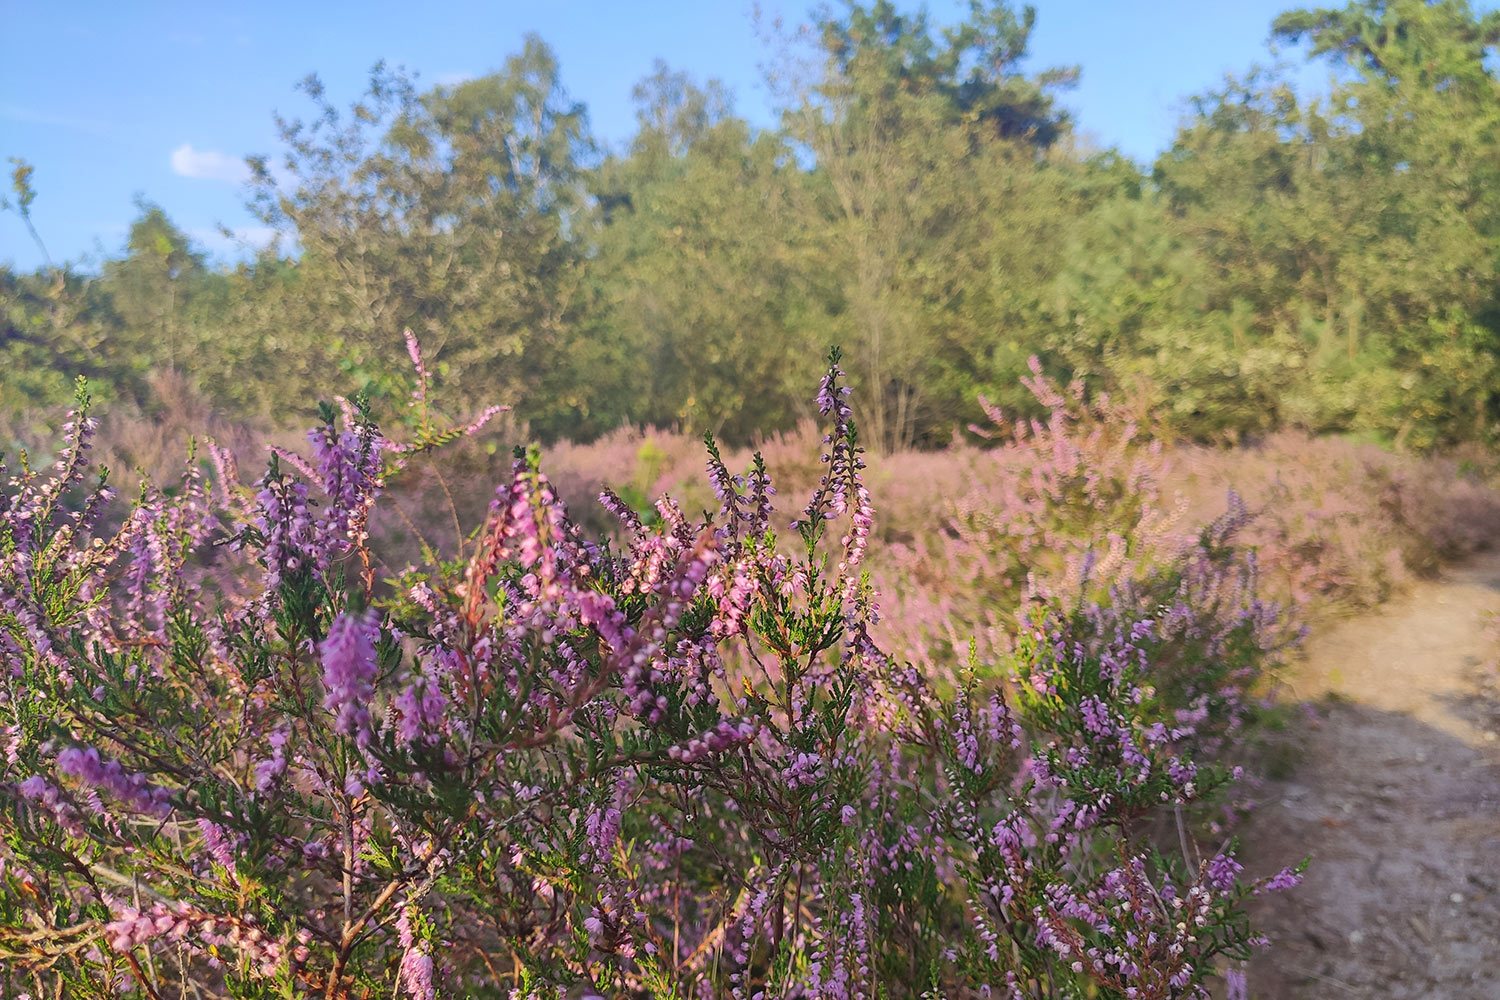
<point>1396,800</point>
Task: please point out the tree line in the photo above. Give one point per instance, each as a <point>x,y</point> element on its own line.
<point>1330,263</point>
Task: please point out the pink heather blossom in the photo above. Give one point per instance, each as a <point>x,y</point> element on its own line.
<point>416,975</point>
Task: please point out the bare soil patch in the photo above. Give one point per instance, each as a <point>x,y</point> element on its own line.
<point>1396,800</point>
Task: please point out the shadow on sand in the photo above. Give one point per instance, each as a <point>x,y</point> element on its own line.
<point>1402,899</point>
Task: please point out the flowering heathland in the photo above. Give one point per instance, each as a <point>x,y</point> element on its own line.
<point>238,762</point>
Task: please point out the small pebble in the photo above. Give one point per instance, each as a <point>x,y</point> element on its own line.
<point>1457,897</point>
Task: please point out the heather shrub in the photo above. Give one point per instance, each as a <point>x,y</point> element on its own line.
<point>1070,502</point>
<point>238,762</point>
<point>1081,498</point>
<point>1341,525</point>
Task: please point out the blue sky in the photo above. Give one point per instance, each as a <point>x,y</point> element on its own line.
<point>112,100</point>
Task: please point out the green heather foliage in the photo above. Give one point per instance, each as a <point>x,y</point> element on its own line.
<point>1317,263</point>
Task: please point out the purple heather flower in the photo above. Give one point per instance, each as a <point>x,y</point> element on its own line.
<point>1284,879</point>
<point>349,669</point>
<point>1222,870</point>
<point>134,791</point>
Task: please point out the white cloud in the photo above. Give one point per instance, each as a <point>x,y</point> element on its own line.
<point>208,164</point>
<point>454,79</point>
